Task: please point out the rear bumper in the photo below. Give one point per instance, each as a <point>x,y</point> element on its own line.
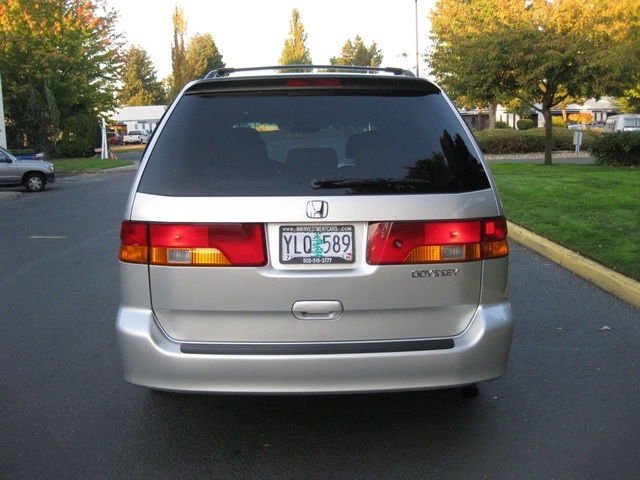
<point>152,360</point>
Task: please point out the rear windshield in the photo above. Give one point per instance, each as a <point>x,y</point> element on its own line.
<point>331,143</point>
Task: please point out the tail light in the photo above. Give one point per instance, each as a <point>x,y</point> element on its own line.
<point>436,242</point>
<point>193,244</point>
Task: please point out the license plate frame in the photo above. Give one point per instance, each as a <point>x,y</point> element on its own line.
<point>317,244</point>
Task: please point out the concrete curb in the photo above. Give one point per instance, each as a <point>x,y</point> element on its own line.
<point>622,287</point>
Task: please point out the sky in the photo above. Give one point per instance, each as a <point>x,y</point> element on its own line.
<point>252,32</point>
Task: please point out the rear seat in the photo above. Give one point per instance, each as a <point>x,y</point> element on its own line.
<point>309,163</point>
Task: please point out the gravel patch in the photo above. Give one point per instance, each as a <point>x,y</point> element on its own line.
<point>562,156</point>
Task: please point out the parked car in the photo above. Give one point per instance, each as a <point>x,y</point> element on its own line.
<point>136,136</point>
<point>32,174</point>
<point>622,123</point>
<point>356,245</point>
<point>114,138</point>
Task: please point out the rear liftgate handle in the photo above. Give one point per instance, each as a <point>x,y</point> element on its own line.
<point>317,310</point>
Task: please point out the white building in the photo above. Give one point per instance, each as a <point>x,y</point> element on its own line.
<point>600,109</point>
<point>138,118</point>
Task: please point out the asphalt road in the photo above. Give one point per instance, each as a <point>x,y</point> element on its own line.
<point>567,409</point>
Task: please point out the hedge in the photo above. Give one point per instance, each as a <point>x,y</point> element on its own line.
<point>498,141</point>
<point>621,149</point>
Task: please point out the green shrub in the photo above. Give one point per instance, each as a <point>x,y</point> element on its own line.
<point>502,125</point>
<point>558,122</point>
<point>80,135</point>
<point>525,124</point>
<point>563,138</point>
<point>528,141</point>
<point>620,149</point>
<point>508,145</point>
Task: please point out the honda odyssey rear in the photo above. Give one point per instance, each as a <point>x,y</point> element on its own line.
<point>310,230</point>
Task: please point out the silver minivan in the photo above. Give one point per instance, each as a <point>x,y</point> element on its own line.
<point>313,230</point>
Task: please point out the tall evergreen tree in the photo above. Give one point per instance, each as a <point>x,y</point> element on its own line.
<point>356,53</point>
<point>202,56</point>
<point>179,66</point>
<point>40,119</point>
<point>140,85</point>
<point>295,51</point>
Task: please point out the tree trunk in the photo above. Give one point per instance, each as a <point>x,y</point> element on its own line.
<point>548,135</point>
<point>493,108</point>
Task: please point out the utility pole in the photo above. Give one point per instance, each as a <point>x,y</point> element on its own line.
<point>104,153</point>
<point>417,51</point>
<point>3,134</point>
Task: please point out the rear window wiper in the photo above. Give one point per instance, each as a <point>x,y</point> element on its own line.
<point>317,184</point>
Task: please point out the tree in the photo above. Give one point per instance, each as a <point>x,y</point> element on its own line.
<point>630,100</point>
<point>202,56</point>
<point>356,53</point>
<point>179,66</point>
<point>59,60</point>
<point>81,135</point>
<point>456,27</point>
<point>39,120</point>
<point>295,51</point>
<point>583,118</point>
<point>542,52</point>
<point>140,85</point>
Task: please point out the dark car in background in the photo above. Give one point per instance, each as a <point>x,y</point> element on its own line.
<point>114,138</point>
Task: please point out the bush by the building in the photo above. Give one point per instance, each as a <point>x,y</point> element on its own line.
<point>525,124</point>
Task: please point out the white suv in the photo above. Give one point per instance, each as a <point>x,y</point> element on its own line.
<point>312,230</point>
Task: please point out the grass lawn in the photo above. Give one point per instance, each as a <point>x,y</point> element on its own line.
<point>87,164</point>
<point>95,163</point>
<point>592,210</point>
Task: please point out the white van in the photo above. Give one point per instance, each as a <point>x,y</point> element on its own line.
<point>622,123</point>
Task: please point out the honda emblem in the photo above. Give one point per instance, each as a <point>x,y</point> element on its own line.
<point>317,209</point>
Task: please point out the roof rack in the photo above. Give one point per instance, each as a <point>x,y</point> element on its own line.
<point>225,72</point>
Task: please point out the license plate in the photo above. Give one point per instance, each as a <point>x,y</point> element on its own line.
<point>317,244</point>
